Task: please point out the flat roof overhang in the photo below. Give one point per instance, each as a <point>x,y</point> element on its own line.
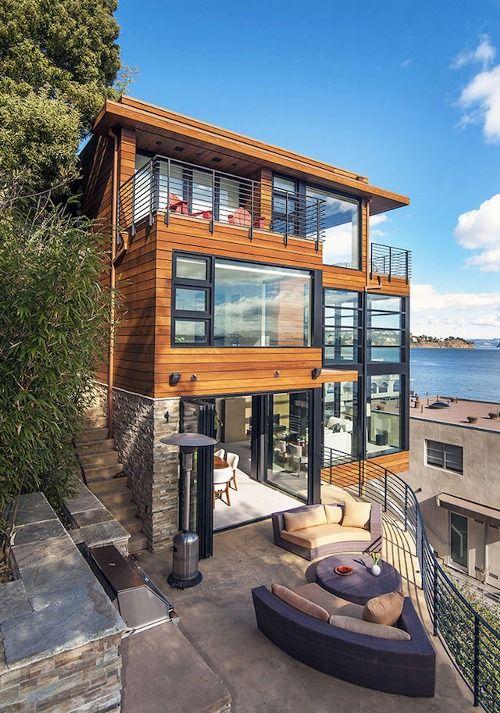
<point>468,508</point>
<point>135,114</point>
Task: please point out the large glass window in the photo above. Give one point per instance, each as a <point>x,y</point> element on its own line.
<point>342,228</point>
<point>340,418</point>
<point>383,414</point>
<point>285,213</point>
<point>261,306</point>
<point>342,327</point>
<point>289,442</point>
<point>385,324</point>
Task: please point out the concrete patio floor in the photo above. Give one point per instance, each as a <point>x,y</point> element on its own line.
<point>217,618</point>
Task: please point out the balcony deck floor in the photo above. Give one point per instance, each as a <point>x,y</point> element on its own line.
<point>217,617</point>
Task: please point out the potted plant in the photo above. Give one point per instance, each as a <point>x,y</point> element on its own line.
<point>375,568</point>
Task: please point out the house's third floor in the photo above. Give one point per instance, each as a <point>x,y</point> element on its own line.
<point>177,171</point>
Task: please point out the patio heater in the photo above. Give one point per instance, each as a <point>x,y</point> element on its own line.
<point>185,571</point>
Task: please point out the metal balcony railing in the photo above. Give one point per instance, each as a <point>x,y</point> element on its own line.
<point>165,185</point>
<point>389,261</point>
<point>470,641</point>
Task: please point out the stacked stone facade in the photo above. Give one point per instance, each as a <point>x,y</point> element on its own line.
<point>152,468</point>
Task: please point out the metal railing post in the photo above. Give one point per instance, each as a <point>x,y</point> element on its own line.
<point>406,507</point>
<point>286,217</point>
<point>167,207</point>
<point>213,203</point>
<point>390,263</point>
<point>371,260</point>
<point>385,490</point>
<point>477,634</point>
<point>435,598</point>
<point>317,224</point>
<point>407,269</point>
<point>252,211</point>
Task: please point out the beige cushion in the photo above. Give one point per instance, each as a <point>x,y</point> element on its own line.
<point>357,514</point>
<point>332,604</point>
<point>320,535</point>
<point>335,494</point>
<point>385,609</point>
<point>333,514</point>
<point>300,603</point>
<point>358,626</point>
<point>314,515</point>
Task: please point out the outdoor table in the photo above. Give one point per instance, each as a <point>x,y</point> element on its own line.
<point>361,585</point>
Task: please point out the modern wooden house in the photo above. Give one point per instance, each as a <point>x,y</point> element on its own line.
<point>252,306</point>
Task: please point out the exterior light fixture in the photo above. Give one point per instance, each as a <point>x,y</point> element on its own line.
<point>174,378</point>
<point>276,374</point>
<point>185,554</point>
<point>316,373</point>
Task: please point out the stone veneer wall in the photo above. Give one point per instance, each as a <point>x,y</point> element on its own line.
<point>152,468</point>
<point>59,633</point>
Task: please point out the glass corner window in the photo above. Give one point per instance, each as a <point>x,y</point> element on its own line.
<point>342,327</point>
<point>385,328</point>
<point>384,408</point>
<point>342,242</point>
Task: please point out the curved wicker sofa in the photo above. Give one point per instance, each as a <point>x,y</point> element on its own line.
<point>374,544</point>
<point>403,667</point>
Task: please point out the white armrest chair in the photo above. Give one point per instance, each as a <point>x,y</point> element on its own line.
<point>232,460</point>
<point>222,478</point>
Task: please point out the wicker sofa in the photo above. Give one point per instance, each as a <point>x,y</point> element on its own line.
<point>402,667</point>
<point>328,539</point>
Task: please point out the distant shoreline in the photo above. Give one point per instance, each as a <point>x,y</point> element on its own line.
<point>442,346</point>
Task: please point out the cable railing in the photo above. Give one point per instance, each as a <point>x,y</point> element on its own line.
<point>176,188</point>
<point>389,261</point>
<point>471,642</point>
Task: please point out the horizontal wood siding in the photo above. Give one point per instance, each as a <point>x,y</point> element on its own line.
<point>228,370</point>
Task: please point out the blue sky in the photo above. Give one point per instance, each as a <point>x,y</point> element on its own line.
<point>406,93</point>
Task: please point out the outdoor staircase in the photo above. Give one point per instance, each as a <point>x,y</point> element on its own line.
<point>104,475</point>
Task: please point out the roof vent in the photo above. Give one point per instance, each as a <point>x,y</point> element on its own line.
<point>439,404</point>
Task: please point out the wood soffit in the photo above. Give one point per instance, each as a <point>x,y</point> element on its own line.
<point>199,139</point>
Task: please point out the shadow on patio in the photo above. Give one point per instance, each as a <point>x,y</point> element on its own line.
<point>218,618</point>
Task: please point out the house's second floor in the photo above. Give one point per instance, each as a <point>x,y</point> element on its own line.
<point>239,262</point>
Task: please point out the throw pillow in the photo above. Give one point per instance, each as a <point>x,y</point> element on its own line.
<point>358,626</point>
<point>300,603</point>
<point>385,609</point>
<point>333,514</point>
<point>357,514</point>
<point>309,517</point>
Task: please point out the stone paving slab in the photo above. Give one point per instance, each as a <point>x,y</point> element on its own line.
<point>33,507</point>
<point>87,615</point>
<point>14,600</point>
<point>38,532</point>
<point>92,517</point>
<point>101,534</point>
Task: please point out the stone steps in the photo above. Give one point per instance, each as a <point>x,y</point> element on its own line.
<point>102,472</point>
<point>104,476</point>
<point>95,460</point>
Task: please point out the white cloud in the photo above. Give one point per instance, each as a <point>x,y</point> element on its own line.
<point>375,220</point>
<point>479,230</point>
<point>472,315</point>
<point>480,98</point>
<point>483,54</point>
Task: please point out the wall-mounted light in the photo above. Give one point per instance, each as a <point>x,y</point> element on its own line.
<point>166,416</point>
<point>174,378</point>
<point>194,377</point>
<point>316,373</point>
<point>276,374</point>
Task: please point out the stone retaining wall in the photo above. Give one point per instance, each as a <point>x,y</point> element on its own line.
<point>59,633</point>
<point>152,468</point>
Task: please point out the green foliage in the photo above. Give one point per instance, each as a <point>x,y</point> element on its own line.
<point>53,328</point>
<point>58,60</point>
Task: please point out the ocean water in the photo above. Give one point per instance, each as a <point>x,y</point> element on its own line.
<point>468,373</point>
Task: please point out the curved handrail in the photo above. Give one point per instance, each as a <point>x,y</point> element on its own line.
<point>470,641</point>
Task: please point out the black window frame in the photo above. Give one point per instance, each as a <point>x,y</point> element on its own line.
<point>315,325</point>
<point>442,454</point>
<point>359,311</point>
<point>402,329</point>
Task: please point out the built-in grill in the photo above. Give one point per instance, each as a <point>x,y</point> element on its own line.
<point>138,600</point>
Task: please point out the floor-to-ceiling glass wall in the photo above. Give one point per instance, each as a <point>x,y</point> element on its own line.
<point>288,452</point>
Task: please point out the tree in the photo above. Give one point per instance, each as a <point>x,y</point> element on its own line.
<point>53,327</point>
<point>58,61</point>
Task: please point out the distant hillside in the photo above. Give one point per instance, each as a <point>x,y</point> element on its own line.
<point>487,343</point>
<point>423,341</point>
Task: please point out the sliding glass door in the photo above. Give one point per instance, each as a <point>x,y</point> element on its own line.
<point>288,443</point>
